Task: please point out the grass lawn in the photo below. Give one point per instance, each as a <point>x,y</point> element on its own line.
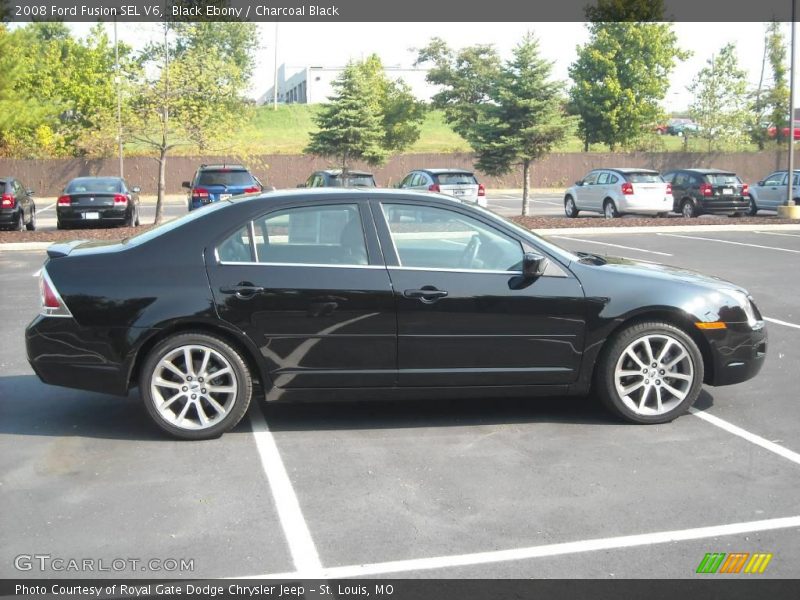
<point>286,131</point>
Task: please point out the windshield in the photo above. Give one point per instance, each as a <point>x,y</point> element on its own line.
<point>722,179</point>
<point>456,179</point>
<point>355,181</point>
<point>146,236</point>
<point>94,185</point>
<point>225,178</point>
<point>644,178</point>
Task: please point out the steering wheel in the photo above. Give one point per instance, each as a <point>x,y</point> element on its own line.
<point>471,252</point>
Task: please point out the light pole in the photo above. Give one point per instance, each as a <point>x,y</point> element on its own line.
<point>118,81</point>
<point>275,71</point>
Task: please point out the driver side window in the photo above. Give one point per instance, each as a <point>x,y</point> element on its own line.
<point>434,238</point>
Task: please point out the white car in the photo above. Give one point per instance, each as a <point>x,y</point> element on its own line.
<point>614,192</point>
<point>458,183</point>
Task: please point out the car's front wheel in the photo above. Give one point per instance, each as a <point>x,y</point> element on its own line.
<point>31,224</point>
<point>195,386</point>
<point>569,207</point>
<point>753,210</point>
<point>651,372</point>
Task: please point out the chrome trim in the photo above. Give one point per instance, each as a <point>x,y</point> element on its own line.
<point>271,264</point>
<point>490,271</point>
<point>251,231</point>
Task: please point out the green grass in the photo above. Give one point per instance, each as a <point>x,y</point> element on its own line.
<point>287,130</point>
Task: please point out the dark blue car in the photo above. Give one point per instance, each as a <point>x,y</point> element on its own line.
<point>212,183</point>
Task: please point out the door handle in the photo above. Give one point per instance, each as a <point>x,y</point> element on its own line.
<point>427,294</point>
<point>243,290</point>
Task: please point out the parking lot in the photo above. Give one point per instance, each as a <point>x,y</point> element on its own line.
<point>552,488</point>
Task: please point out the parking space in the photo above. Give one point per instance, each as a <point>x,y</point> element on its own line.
<point>512,488</point>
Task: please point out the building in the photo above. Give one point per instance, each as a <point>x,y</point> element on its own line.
<point>312,85</point>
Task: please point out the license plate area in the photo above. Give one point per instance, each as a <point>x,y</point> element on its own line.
<point>91,216</point>
<point>727,191</point>
<point>225,196</point>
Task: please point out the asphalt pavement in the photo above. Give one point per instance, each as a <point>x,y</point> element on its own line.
<point>466,488</point>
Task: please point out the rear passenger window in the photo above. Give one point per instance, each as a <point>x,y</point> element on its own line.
<point>320,235</point>
<point>236,248</point>
<point>603,179</point>
<point>614,179</point>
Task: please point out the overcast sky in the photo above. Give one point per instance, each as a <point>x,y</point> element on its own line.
<point>333,44</point>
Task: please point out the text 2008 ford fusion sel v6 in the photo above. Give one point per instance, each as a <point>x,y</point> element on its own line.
<point>354,294</point>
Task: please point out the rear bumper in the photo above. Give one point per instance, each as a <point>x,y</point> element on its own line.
<point>724,206</point>
<point>195,204</point>
<point>77,215</point>
<point>646,206</point>
<point>8,216</point>
<point>61,352</point>
<point>738,353</point>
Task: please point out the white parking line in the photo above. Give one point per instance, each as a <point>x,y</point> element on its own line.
<point>705,239</point>
<point>777,233</point>
<point>563,237</point>
<point>779,322</point>
<point>41,210</point>
<point>37,273</point>
<point>301,545</point>
<point>497,556</point>
<point>746,435</point>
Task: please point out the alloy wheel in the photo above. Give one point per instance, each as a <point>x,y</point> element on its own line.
<point>570,207</point>
<point>193,387</point>
<point>654,374</point>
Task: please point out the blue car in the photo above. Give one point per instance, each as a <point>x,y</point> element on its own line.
<point>212,183</point>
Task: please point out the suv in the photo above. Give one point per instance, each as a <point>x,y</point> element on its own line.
<point>458,183</point>
<point>212,183</point>
<point>614,192</point>
<point>708,191</point>
<point>17,209</point>
<point>333,178</point>
<point>770,192</point>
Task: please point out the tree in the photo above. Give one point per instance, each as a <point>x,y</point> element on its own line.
<point>625,10</point>
<point>525,118</point>
<point>511,114</point>
<point>777,97</point>
<point>194,98</point>
<point>719,98</point>
<point>369,116</point>
<point>621,75</point>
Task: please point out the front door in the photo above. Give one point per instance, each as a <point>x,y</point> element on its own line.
<point>308,286</point>
<point>465,316</point>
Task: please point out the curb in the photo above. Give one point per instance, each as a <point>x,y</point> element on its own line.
<point>22,246</point>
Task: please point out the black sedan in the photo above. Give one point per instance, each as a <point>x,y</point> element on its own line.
<point>98,201</point>
<point>354,294</point>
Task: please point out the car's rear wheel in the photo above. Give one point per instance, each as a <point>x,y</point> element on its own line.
<point>688,209</point>
<point>569,207</point>
<point>753,210</point>
<point>651,372</point>
<point>610,209</point>
<point>195,386</point>
<point>20,224</point>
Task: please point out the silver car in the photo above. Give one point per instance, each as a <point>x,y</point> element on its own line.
<point>458,183</point>
<point>770,193</point>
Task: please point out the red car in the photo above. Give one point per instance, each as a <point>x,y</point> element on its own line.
<point>771,131</point>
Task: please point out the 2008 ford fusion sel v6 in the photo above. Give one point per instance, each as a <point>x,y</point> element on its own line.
<point>354,294</point>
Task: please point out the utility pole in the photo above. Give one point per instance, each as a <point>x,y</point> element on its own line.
<point>118,81</point>
<point>275,72</point>
<point>790,190</point>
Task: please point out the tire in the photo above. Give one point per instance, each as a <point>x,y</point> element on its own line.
<point>753,211</point>
<point>610,209</point>
<point>688,209</point>
<point>617,371</point>
<point>236,386</point>
<point>136,221</point>
<point>569,207</point>
<point>31,224</point>
<point>130,219</point>
<point>20,224</point>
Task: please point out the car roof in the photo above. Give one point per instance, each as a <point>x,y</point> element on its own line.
<point>223,166</point>
<point>94,177</point>
<point>337,172</point>
<point>350,192</point>
<point>707,171</point>
<point>625,170</point>
<point>440,171</point>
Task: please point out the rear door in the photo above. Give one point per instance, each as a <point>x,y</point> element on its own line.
<point>464,315</point>
<point>463,186</point>
<point>308,285</point>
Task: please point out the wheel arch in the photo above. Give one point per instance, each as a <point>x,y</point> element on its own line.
<point>237,341</point>
<point>675,317</point>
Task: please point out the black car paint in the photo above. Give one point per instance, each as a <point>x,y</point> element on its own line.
<point>9,217</point>
<point>102,203</point>
<point>331,332</point>
<point>717,203</point>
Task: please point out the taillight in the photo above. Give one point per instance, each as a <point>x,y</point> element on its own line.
<point>64,200</point>
<point>52,304</point>
<point>706,189</point>
<point>434,188</point>
<point>481,190</point>
<point>745,189</point>
<point>252,190</point>
<point>669,188</point>
<point>120,200</point>
<point>8,201</point>
<point>627,188</point>
<point>199,193</point>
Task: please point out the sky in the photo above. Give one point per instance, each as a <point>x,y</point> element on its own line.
<point>334,44</point>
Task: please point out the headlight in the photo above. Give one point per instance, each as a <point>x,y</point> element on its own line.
<point>746,304</point>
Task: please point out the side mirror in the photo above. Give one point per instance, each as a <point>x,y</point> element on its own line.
<point>186,184</point>
<point>30,192</point>
<point>533,265</point>
<point>579,182</point>
<point>136,189</point>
